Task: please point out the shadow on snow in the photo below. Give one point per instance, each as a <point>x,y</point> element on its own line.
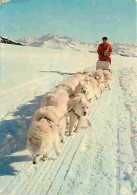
<point>14,133</point>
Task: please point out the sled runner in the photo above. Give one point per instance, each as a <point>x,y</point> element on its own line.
<point>104,65</point>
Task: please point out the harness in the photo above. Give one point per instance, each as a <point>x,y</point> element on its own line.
<point>44,117</point>
<point>74,113</point>
<point>50,121</point>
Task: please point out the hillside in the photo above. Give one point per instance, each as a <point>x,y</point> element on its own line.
<point>56,42</point>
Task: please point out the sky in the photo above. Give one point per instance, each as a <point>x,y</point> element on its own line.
<point>84,20</point>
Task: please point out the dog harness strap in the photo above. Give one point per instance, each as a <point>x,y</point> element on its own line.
<point>74,113</point>
<point>44,117</point>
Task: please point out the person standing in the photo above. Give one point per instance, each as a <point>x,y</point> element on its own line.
<point>105,50</point>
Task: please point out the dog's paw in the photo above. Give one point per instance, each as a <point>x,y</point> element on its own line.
<point>62,141</point>
<point>76,130</point>
<point>44,159</point>
<point>59,154</point>
<point>90,124</point>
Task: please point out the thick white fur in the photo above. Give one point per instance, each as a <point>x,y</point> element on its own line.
<point>71,84</point>
<point>98,75</point>
<point>88,89</point>
<point>57,115</point>
<point>74,96</point>
<point>107,77</point>
<point>55,99</point>
<point>42,136</point>
<point>79,110</point>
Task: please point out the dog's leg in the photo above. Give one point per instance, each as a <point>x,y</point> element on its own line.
<point>63,128</point>
<point>57,147</point>
<point>72,122</point>
<point>89,122</point>
<point>44,157</point>
<point>109,86</point>
<point>62,136</point>
<point>96,96</point>
<point>62,132</point>
<point>67,121</point>
<point>102,87</point>
<point>80,120</point>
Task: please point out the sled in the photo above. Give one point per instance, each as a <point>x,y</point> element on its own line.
<point>104,65</point>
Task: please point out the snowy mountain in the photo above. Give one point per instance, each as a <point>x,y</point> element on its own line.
<point>56,42</point>
<point>8,41</point>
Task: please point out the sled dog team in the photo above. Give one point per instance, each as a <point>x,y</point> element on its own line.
<point>65,108</point>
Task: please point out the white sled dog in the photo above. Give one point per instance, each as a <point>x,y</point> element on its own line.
<point>87,88</point>
<point>42,136</point>
<point>57,98</point>
<point>98,75</point>
<point>79,109</point>
<point>71,84</point>
<point>107,77</point>
<point>48,129</point>
<point>57,115</point>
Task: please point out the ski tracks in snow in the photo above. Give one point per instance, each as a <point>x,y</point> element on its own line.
<point>98,160</point>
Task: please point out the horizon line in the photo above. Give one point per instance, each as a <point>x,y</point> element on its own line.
<point>68,37</point>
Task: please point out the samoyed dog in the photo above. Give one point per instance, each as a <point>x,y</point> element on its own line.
<point>57,98</point>
<point>99,76</point>
<point>107,77</point>
<point>47,130</point>
<point>42,136</point>
<point>86,88</point>
<point>70,85</point>
<point>79,109</point>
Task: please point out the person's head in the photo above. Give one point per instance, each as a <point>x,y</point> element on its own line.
<point>104,39</point>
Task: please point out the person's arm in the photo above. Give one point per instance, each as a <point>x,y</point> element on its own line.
<point>110,50</point>
<point>99,51</point>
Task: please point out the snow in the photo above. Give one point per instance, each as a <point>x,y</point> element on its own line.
<point>98,160</point>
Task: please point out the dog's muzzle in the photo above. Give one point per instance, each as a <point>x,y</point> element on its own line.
<point>96,77</point>
<point>84,113</point>
<point>34,162</point>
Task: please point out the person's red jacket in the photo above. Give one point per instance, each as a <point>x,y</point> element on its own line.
<point>104,47</point>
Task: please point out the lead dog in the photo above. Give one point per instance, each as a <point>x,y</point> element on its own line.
<point>107,77</point>
<point>98,75</point>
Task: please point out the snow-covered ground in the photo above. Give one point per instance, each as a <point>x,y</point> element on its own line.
<point>101,160</point>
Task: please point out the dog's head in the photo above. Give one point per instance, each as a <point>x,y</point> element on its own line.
<point>82,87</point>
<point>98,74</point>
<point>82,107</point>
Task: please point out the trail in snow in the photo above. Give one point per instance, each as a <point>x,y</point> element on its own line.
<point>98,160</point>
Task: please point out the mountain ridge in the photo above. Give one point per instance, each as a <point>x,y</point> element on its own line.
<point>65,42</point>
